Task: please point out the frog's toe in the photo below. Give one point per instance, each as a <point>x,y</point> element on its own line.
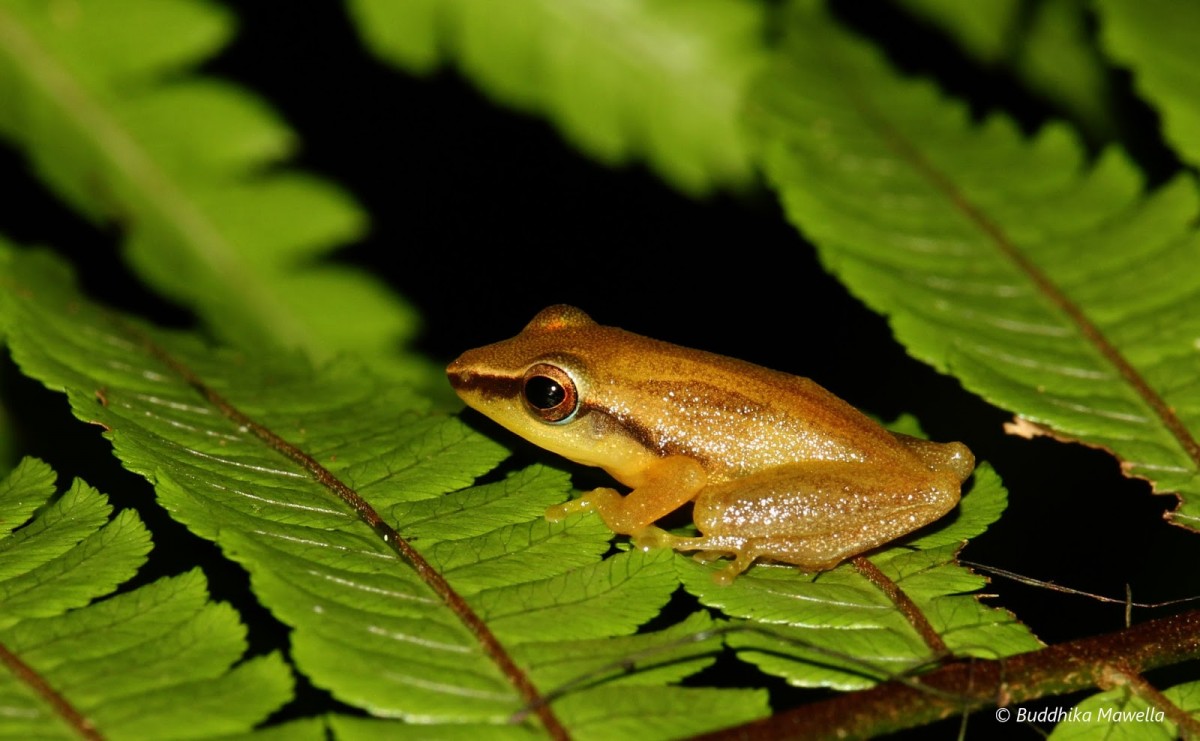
<point>560,512</point>
<point>739,564</point>
<point>651,537</point>
<point>596,499</point>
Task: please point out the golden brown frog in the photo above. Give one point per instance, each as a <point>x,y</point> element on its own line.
<point>777,467</point>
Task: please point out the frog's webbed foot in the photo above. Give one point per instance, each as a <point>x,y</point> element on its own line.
<point>595,500</point>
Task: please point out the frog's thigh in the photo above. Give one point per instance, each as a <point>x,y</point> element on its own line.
<point>816,515</point>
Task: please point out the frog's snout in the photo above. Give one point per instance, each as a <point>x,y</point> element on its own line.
<point>463,373</point>
<point>473,382</point>
<point>458,373</point>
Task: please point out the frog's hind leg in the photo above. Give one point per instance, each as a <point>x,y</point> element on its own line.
<point>814,515</point>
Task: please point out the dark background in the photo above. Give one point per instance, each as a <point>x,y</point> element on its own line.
<point>482,216</point>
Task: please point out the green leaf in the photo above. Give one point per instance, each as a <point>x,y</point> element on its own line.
<point>26,488</point>
<point>984,29</point>
<point>982,506</point>
<point>208,428</point>
<point>616,674</point>
<point>69,554</point>
<point>837,629</point>
<point>1049,286</point>
<point>143,664</point>
<point>1048,47</point>
<point>1156,40</point>
<point>628,672</point>
<point>294,730</point>
<point>660,80</point>
<point>350,728</point>
<point>644,659</point>
<point>100,99</point>
<point>672,712</point>
<point>1118,714</point>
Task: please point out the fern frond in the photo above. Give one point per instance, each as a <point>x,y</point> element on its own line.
<point>661,80</point>
<point>155,662</point>
<point>1157,41</point>
<point>1050,287</point>
<point>256,455</point>
<point>99,97</point>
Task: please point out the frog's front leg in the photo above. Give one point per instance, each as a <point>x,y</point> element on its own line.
<point>813,515</point>
<point>666,485</point>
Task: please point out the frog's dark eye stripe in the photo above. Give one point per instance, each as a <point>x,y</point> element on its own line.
<point>550,393</point>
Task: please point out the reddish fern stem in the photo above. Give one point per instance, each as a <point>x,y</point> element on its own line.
<point>64,709</point>
<point>907,607</point>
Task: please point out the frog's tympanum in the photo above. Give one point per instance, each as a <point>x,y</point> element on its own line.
<point>776,467</point>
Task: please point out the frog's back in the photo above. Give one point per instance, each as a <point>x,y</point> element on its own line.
<point>640,397</point>
<point>733,416</point>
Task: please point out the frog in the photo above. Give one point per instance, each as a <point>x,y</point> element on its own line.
<point>775,467</point>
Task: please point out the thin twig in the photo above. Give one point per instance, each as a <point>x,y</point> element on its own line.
<point>1127,600</point>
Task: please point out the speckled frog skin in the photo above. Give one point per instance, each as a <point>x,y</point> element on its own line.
<point>778,468</point>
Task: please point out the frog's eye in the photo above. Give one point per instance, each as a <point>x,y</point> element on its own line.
<point>550,393</point>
